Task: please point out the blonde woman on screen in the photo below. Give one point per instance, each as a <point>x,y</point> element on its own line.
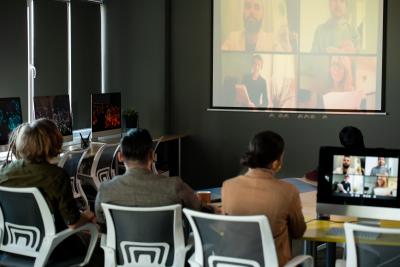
<point>342,94</point>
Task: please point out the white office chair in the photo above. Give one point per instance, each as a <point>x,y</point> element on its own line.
<point>370,246</point>
<point>239,241</point>
<point>28,232</point>
<point>70,162</point>
<point>101,169</point>
<point>151,237</point>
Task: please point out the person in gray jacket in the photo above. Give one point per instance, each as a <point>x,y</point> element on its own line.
<point>139,186</point>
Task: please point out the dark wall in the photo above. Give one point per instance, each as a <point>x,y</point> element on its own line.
<point>218,139</point>
<point>136,41</point>
<point>14,52</point>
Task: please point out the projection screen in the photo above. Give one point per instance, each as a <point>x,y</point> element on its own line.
<point>298,55</point>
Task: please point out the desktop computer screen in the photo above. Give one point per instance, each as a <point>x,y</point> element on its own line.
<point>56,108</point>
<point>359,183</point>
<point>106,114</point>
<point>10,117</point>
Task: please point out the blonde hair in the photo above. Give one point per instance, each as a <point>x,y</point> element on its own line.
<point>384,180</point>
<point>345,63</point>
<point>38,141</point>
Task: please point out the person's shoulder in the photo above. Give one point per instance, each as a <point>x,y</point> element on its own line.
<point>232,181</point>
<point>287,187</point>
<point>234,41</point>
<point>111,184</point>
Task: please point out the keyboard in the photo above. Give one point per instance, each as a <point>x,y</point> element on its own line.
<point>337,231</point>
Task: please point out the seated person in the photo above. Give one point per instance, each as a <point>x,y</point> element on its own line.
<point>139,186</point>
<point>345,185</point>
<point>350,137</point>
<point>259,192</point>
<point>346,168</point>
<point>381,187</point>
<point>34,146</point>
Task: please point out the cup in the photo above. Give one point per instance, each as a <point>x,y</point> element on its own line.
<point>204,196</point>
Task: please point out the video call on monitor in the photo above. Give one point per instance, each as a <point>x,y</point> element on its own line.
<point>308,55</point>
<point>365,176</point>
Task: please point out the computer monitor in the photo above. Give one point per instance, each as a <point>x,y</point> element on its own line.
<point>56,108</point>
<point>106,114</point>
<point>10,118</point>
<point>359,183</point>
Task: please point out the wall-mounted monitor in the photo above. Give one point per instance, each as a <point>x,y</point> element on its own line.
<point>359,183</point>
<point>106,114</point>
<point>56,108</point>
<point>298,56</point>
<point>10,118</point>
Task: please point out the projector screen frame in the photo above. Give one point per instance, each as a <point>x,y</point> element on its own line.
<point>380,68</point>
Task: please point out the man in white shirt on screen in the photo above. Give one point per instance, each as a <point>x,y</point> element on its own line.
<point>345,168</point>
<point>252,37</point>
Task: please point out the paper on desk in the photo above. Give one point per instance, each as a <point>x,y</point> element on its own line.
<point>343,100</point>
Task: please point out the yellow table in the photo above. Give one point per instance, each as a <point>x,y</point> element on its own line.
<point>317,230</point>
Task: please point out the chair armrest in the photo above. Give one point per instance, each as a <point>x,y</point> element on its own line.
<point>340,263</point>
<point>109,253</point>
<point>94,233</point>
<point>306,259</point>
<point>192,262</point>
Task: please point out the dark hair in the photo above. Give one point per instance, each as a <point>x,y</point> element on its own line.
<point>264,148</point>
<point>137,144</point>
<point>351,137</point>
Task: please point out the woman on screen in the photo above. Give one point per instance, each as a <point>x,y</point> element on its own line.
<point>342,94</point>
<point>381,186</point>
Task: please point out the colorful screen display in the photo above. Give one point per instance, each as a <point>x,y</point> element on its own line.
<point>106,111</point>
<point>56,108</point>
<point>10,117</point>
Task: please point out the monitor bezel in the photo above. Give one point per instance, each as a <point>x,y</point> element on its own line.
<point>363,207</point>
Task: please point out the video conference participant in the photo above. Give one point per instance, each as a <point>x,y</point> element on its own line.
<point>35,145</point>
<point>259,192</point>
<point>252,37</point>
<point>380,168</point>
<point>345,168</point>
<point>139,186</point>
<point>336,35</point>
<point>345,185</point>
<point>255,84</point>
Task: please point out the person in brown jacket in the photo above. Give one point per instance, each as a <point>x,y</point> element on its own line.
<point>259,192</point>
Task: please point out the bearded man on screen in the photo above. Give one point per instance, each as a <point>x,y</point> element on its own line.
<point>252,38</point>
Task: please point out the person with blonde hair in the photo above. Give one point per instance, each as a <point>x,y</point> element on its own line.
<point>34,146</point>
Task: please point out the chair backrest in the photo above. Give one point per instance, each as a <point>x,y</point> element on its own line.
<point>372,245</point>
<point>70,162</point>
<point>144,236</point>
<point>102,163</point>
<point>156,144</point>
<point>216,239</point>
<point>115,165</point>
<point>25,219</point>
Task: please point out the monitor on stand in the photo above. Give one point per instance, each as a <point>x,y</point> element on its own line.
<point>106,115</point>
<point>359,183</point>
